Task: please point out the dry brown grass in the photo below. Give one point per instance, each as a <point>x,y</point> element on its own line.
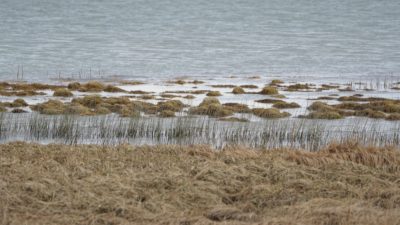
<point>62,92</point>
<point>59,184</point>
<point>269,90</point>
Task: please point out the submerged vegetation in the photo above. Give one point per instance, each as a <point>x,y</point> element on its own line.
<point>57,184</point>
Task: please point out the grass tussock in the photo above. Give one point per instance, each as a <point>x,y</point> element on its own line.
<point>59,184</point>
<point>238,90</point>
<point>94,86</point>
<point>270,101</point>
<point>62,92</point>
<point>276,82</point>
<point>286,105</point>
<point>271,113</point>
<point>249,86</point>
<point>212,107</point>
<point>214,93</point>
<point>269,90</point>
<point>298,87</point>
<point>19,102</point>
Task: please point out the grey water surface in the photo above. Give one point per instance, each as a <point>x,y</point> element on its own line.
<point>154,39</point>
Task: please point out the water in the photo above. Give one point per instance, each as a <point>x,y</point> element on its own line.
<point>152,39</point>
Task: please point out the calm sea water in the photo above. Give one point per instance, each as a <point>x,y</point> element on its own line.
<point>155,39</point>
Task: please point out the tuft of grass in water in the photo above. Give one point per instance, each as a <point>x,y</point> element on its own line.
<point>276,82</point>
<point>171,105</point>
<point>286,105</point>
<point>270,101</point>
<point>111,88</point>
<point>238,91</point>
<point>214,93</point>
<point>326,115</point>
<point>237,107</point>
<point>92,86</point>
<point>340,184</point>
<point>19,102</point>
<point>249,86</point>
<point>167,113</point>
<point>269,90</point>
<point>298,87</point>
<point>393,116</point>
<point>18,111</point>
<point>269,113</point>
<point>62,92</point>
<point>212,107</point>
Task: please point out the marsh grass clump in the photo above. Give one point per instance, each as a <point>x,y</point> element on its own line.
<point>223,86</point>
<point>298,87</point>
<point>321,107</point>
<point>114,89</point>
<point>131,82</point>
<point>189,97</point>
<point>167,113</point>
<point>214,93</point>
<point>171,105</point>
<point>249,86</point>
<point>77,109</point>
<point>270,101</point>
<point>238,91</point>
<point>268,90</point>
<point>90,101</point>
<point>271,113</point>
<point>286,105</point>
<point>91,86</point>
<point>74,86</point>
<point>237,107</point>
<point>18,111</point>
<point>127,111</point>
<point>20,93</point>
<point>51,107</point>
<point>212,107</point>
<point>393,116</point>
<point>3,108</point>
<point>147,97</point>
<point>276,82</point>
<point>371,114</point>
<point>19,102</point>
<point>62,92</point>
<point>166,95</point>
<point>325,115</point>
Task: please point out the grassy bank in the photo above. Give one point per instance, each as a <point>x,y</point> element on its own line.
<point>61,184</point>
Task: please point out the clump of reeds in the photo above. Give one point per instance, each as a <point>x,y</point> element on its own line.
<point>286,105</point>
<point>238,90</point>
<point>271,113</point>
<point>276,82</point>
<point>298,87</point>
<point>270,101</point>
<point>214,93</point>
<point>212,107</point>
<point>237,107</point>
<point>62,92</point>
<point>269,90</point>
<point>249,86</point>
<point>167,113</point>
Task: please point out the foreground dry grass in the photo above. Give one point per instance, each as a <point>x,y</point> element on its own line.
<point>58,184</point>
